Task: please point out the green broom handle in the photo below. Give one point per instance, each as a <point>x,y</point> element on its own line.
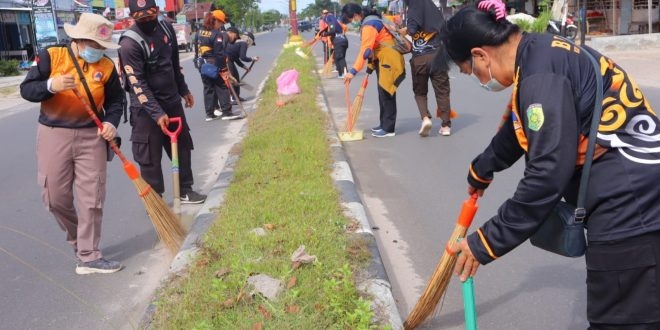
<point>469,305</point>
<point>173,135</point>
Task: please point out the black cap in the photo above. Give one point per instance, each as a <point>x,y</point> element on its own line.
<point>251,36</point>
<point>233,29</point>
<point>139,8</point>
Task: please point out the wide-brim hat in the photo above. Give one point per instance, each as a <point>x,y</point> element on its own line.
<point>141,8</point>
<point>92,27</point>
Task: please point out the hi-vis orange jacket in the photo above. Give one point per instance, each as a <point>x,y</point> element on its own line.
<point>64,109</point>
<point>376,44</point>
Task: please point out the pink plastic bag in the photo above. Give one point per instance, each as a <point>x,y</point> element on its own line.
<point>287,83</point>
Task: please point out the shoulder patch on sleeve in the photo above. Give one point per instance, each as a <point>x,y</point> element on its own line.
<point>535,117</point>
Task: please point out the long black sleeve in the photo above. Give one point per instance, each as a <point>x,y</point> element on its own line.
<point>548,117</point>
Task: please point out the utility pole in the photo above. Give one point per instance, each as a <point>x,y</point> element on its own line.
<point>295,36</point>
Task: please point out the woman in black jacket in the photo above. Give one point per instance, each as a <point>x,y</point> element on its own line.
<point>554,93</point>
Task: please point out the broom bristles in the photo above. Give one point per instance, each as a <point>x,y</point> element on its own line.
<point>165,222</point>
<point>356,107</point>
<point>327,68</point>
<point>436,287</point>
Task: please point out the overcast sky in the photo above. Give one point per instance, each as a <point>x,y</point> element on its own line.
<point>283,5</point>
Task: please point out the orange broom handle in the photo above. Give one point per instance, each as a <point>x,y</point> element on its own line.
<point>465,218</point>
<point>129,168</point>
<point>468,211</point>
<point>365,81</point>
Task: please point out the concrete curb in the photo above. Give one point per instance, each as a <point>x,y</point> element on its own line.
<point>376,284</point>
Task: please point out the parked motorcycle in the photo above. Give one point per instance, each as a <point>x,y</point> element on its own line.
<point>570,29</point>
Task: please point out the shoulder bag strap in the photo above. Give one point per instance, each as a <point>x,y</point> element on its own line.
<point>82,78</point>
<point>580,211</point>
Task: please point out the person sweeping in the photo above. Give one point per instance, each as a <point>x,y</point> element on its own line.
<point>554,91</point>
<point>71,149</point>
<point>376,44</point>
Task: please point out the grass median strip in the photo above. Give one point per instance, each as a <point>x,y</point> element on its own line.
<point>282,187</point>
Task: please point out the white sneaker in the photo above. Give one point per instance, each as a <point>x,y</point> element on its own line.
<point>217,112</point>
<point>426,127</point>
<point>445,131</point>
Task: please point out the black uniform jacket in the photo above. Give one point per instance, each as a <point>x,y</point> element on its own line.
<point>552,103</point>
<point>237,52</point>
<point>213,47</point>
<point>64,109</point>
<point>159,83</point>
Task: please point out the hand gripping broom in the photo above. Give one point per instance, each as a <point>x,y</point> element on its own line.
<point>306,48</point>
<point>248,70</point>
<point>443,271</point>
<point>166,223</point>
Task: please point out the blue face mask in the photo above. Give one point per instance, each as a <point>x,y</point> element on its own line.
<point>91,55</point>
<point>492,85</point>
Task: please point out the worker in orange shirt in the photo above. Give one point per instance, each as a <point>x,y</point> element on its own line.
<point>377,49</point>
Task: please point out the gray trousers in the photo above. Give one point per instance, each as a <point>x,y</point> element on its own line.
<point>72,162</point>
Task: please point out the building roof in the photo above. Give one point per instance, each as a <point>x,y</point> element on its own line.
<point>193,12</point>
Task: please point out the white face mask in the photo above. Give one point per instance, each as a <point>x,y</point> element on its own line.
<point>492,85</point>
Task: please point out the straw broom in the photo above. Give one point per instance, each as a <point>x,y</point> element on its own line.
<point>356,107</point>
<point>349,116</point>
<point>443,271</point>
<point>165,222</point>
<point>327,67</point>
<point>230,86</point>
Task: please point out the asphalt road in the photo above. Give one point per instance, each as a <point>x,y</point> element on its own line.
<point>39,288</point>
<point>413,189</point>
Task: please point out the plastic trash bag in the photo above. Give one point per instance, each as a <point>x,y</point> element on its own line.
<point>287,83</point>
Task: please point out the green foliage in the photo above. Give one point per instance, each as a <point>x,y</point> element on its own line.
<point>540,24</point>
<point>9,68</point>
<point>347,311</point>
<point>271,17</point>
<point>314,9</point>
<point>235,9</point>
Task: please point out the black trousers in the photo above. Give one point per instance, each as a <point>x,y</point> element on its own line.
<point>215,91</point>
<point>623,283</point>
<point>387,105</point>
<point>149,142</point>
<point>340,44</point>
<point>233,69</point>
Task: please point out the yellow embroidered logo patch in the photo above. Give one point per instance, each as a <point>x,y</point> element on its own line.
<point>535,117</point>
